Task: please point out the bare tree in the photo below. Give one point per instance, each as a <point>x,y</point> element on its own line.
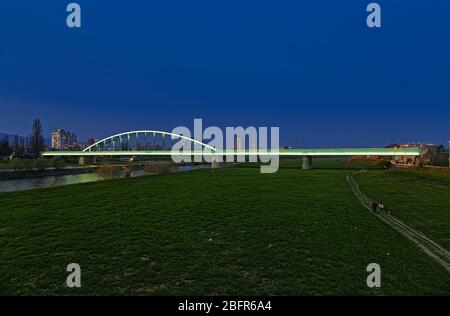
<point>36,139</point>
<point>5,149</point>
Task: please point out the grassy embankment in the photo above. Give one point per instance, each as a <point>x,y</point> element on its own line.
<point>235,231</point>
<point>420,197</point>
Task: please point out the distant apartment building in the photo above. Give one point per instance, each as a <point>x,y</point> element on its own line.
<point>62,139</point>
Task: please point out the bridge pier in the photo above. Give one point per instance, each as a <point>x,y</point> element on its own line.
<point>82,160</point>
<point>307,162</point>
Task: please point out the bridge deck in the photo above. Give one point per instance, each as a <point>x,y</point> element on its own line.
<point>280,152</point>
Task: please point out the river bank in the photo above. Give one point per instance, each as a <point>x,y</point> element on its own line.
<point>10,174</point>
<point>66,176</point>
<point>46,172</point>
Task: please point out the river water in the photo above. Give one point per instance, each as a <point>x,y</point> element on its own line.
<point>54,181</point>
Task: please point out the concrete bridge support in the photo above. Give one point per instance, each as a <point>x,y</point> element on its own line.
<point>87,160</point>
<point>307,162</point>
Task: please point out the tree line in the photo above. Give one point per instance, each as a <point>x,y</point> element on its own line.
<point>32,148</point>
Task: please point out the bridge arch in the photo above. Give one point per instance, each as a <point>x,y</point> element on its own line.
<point>111,139</point>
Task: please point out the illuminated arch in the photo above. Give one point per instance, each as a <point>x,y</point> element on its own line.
<point>143,132</point>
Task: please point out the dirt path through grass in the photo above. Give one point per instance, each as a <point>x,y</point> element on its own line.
<point>430,247</point>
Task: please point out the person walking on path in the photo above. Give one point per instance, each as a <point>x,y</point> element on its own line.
<point>374,206</point>
<point>381,207</point>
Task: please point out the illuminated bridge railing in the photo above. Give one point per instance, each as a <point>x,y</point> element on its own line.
<point>209,151</point>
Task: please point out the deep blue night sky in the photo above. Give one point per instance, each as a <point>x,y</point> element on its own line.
<point>313,68</point>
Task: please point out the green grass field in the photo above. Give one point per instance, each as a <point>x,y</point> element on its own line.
<point>419,197</point>
<point>233,232</point>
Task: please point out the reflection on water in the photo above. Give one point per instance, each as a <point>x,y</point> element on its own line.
<point>44,182</point>
<point>53,181</point>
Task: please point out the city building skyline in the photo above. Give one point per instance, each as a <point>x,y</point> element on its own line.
<point>62,139</point>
